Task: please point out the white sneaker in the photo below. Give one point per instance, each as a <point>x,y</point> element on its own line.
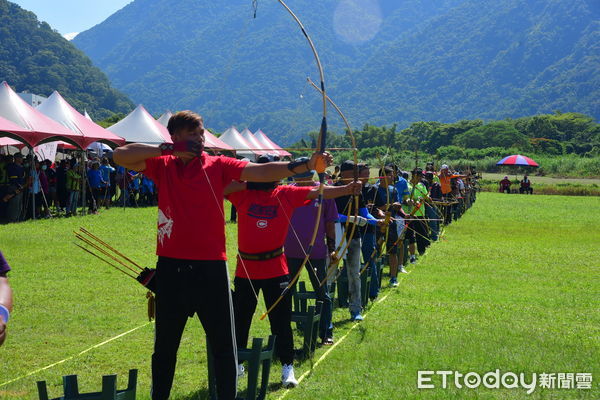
<point>287,376</point>
<point>402,270</point>
<point>240,370</point>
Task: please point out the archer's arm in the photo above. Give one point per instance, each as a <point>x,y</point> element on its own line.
<point>234,186</point>
<point>331,192</point>
<point>274,171</point>
<point>133,156</point>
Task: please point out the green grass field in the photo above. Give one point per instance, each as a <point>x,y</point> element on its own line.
<point>514,285</point>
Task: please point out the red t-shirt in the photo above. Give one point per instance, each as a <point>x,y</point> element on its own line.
<point>263,222</point>
<point>191,224</point>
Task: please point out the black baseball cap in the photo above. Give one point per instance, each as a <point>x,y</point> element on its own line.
<point>347,165</point>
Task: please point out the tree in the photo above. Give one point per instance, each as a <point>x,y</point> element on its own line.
<point>499,133</point>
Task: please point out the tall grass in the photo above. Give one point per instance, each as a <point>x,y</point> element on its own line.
<point>570,166</point>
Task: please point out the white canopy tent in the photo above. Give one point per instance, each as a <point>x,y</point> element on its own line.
<point>96,147</point>
<point>35,127</point>
<point>9,146</point>
<point>99,148</point>
<point>233,138</point>
<point>57,108</point>
<point>140,127</point>
<point>164,119</point>
<point>255,146</point>
<point>267,143</point>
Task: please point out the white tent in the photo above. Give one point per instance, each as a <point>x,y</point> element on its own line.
<point>267,143</point>
<point>213,142</point>
<point>233,138</point>
<point>99,148</point>
<point>9,146</point>
<point>57,108</point>
<point>140,127</point>
<point>164,119</point>
<point>254,144</point>
<point>35,127</point>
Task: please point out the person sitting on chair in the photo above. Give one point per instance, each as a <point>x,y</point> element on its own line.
<point>505,185</point>
<point>525,186</point>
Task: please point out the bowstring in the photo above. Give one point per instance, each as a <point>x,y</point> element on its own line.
<point>220,206</point>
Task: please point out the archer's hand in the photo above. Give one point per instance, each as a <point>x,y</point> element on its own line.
<point>360,221</point>
<point>184,150</point>
<point>333,258</point>
<point>382,222</point>
<point>320,161</point>
<point>410,202</point>
<point>354,188</point>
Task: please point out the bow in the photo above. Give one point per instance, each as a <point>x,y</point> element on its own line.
<point>339,252</point>
<point>321,144</point>
<point>383,238</point>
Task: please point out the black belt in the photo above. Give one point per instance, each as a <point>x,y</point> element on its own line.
<point>267,255</point>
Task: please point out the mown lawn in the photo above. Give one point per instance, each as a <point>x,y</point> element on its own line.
<point>514,285</point>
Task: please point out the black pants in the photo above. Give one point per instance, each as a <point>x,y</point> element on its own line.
<point>417,231</point>
<point>244,302</point>
<point>447,209</point>
<point>185,288</point>
<point>528,190</point>
<point>63,197</point>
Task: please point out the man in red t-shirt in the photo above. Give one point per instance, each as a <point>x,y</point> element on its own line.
<point>191,272</point>
<point>264,216</point>
<point>505,185</point>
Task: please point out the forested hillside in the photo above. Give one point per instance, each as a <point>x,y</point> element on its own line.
<point>37,59</point>
<point>386,62</point>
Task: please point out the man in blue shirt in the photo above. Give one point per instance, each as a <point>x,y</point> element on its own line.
<point>402,184</point>
<point>106,170</point>
<point>97,186</point>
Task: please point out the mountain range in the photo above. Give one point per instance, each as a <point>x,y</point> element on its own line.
<point>385,61</point>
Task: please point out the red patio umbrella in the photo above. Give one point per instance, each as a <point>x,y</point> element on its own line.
<point>518,160</point>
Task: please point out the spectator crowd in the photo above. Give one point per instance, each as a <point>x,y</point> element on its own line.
<point>68,186</point>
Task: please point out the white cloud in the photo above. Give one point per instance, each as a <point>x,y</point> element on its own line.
<point>70,36</point>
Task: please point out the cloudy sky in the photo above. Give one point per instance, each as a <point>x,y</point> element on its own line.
<point>72,16</point>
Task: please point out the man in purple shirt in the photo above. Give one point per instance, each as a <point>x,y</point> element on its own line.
<point>6,301</point>
<point>302,224</point>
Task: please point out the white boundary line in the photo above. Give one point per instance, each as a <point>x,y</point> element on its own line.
<point>304,375</point>
<point>75,355</point>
